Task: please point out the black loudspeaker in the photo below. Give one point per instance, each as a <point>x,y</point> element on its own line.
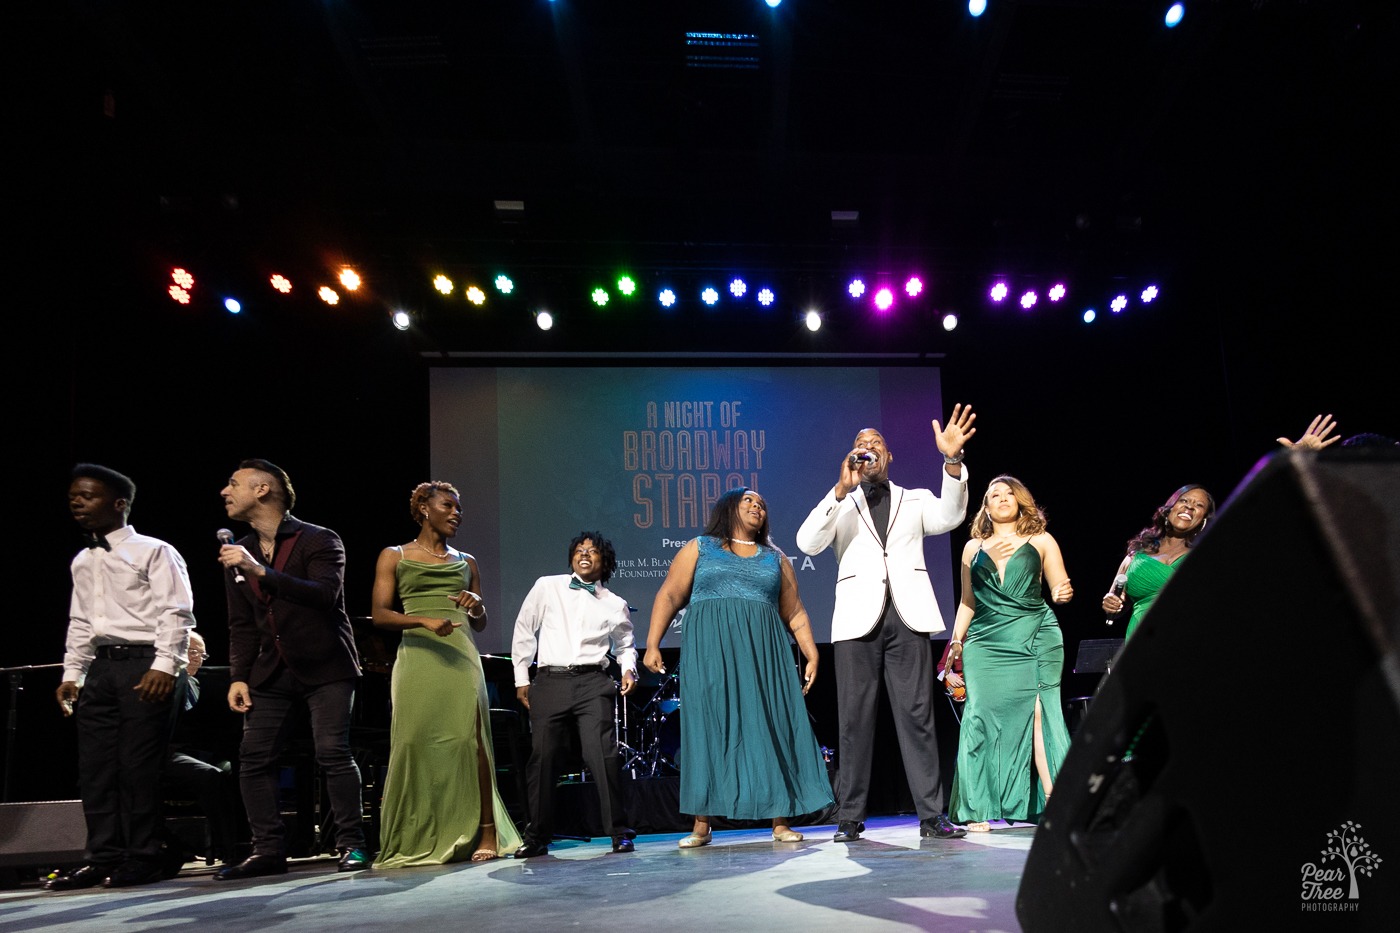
<point>1239,769</point>
<point>50,832</point>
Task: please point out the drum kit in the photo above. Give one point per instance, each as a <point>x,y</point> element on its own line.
<point>654,727</point>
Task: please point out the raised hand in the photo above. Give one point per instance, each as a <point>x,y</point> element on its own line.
<point>950,440</point>
<point>1315,437</point>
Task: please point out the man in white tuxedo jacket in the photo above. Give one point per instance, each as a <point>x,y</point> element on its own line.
<point>885,612</point>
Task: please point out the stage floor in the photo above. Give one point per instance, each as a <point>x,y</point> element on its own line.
<point>891,879</point>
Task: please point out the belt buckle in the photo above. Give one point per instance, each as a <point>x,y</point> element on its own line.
<point>118,652</point>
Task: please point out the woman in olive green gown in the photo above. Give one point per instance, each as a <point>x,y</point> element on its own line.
<point>1013,736</point>
<point>440,798</point>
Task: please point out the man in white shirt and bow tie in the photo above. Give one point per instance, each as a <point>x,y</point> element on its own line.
<point>571,621</point>
<point>128,640</point>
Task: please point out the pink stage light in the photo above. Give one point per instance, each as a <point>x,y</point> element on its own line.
<point>884,298</point>
<point>1057,291</point>
<point>914,286</point>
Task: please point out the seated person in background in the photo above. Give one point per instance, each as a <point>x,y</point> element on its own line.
<point>189,775</point>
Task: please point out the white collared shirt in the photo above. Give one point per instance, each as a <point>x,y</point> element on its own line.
<point>571,626</point>
<point>137,593</point>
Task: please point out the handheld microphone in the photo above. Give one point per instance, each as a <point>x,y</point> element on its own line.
<point>226,537</point>
<point>863,456</point>
<point>1120,582</point>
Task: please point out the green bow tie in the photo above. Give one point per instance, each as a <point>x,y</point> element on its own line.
<point>577,584</point>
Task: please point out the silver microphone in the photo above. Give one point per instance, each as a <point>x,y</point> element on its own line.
<point>1120,582</point>
<point>861,456</point>
<point>226,537</point>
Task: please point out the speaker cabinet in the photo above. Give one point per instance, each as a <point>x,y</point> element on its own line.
<point>42,833</point>
<point>1240,766</point>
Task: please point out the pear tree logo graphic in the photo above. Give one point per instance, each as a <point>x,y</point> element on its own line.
<point>1336,876</point>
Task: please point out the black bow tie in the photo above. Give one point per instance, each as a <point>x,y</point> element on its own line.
<point>95,541</point>
<point>577,584</point>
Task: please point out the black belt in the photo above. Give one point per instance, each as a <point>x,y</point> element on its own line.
<point>573,670</point>
<point>125,652</point>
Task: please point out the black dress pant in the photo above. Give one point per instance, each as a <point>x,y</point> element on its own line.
<point>904,659</point>
<point>266,730</point>
<point>121,751</point>
<point>560,703</point>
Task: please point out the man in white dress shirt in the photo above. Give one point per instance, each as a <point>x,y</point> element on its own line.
<point>128,640</point>
<point>885,612</point>
<point>571,620</point>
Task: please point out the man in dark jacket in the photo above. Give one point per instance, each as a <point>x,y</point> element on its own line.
<point>290,643</point>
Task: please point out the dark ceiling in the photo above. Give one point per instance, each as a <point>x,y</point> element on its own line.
<point>1065,137</point>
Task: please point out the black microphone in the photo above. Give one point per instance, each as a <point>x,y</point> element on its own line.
<point>226,537</point>
<point>861,456</point>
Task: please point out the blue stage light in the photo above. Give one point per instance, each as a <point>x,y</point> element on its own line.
<point>976,7</point>
<point>1174,14</point>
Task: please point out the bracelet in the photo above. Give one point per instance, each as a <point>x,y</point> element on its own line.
<point>952,460</point>
<point>955,641</point>
<point>479,615</point>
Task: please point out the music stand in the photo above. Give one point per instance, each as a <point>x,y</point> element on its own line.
<point>1095,656</point>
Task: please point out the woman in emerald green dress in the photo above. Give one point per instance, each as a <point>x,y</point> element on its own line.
<point>440,798</point>
<point>1155,552</point>
<point>1013,736</point>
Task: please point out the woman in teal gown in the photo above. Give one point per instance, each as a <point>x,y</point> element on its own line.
<point>440,799</point>
<point>1155,552</point>
<point>747,749</point>
<point>1013,737</point>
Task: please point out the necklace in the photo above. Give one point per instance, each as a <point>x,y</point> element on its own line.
<point>741,541</point>
<point>268,548</point>
<point>442,556</point>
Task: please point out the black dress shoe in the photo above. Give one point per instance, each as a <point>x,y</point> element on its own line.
<point>623,844</point>
<point>353,859</point>
<point>133,873</point>
<point>848,831</point>
<point>940,827</point>
<point>532,848</point>
<point>88,876</point>
<point>254,866</point>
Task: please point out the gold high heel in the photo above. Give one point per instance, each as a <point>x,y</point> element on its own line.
<point>485,855</point>
<point>695,840</point>
<point>787,835</point>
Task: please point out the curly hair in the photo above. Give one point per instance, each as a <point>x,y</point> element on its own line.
<point>423,493</point>
<point>605,551</point>
<point>724,518</point>
<point>1030,517</point>
<point>1149,540</point>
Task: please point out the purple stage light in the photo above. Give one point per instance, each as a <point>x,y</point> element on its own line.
<point>1029,299</point>
<point>1148,294</point>
<point>1057,291</point>
<point>914,286</point>
<point>856,288</point>
<point>1000,291</point>
<point>1118,303</point>
<point>884,298</point>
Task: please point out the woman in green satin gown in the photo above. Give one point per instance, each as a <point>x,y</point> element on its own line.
<point>440,798</point>
<point>1155,552</point>
<point>1013,737</point>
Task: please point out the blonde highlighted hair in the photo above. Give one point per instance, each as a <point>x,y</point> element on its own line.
<point>1030,519</point>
